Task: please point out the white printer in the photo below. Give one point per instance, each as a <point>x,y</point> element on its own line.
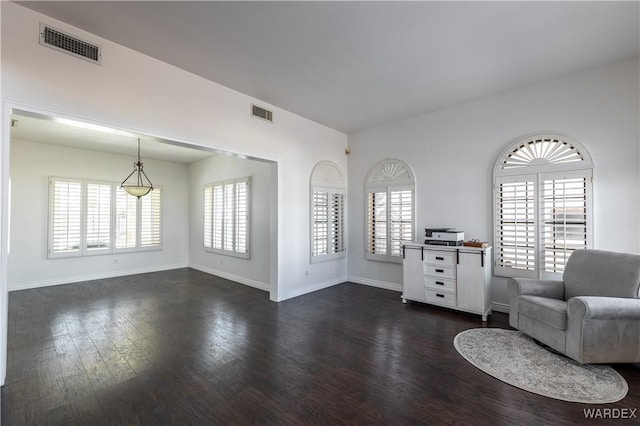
<point>443,236</point>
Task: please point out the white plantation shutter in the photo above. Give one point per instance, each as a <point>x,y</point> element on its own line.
<point>320,233</point>
<point>208,217</point>
<point>389,221</point>
<point>227,230</point>
<point>377,223</point>
<point>150,219</point>
<point>126,220</point>
<point>516,226</point>
<point>226,217</point>
<point>65,217</point>
<point>328,222</point>
<point>542,205</point>
<point>98,217</point>
<point>564,211</point>
<point>241,216</point>
<point>218,216</point>
<point>401,223</point>
<point>336,238</point>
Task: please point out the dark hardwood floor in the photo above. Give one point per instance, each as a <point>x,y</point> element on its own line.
<point>183,347</point>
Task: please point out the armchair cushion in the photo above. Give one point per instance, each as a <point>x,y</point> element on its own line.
<point>552,312</point>
<point>530,287</point>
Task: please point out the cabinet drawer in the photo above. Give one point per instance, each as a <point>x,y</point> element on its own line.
<point>441,297</point>
<point>440,258</point>
<point>440,284</point>
<point>439,271</point>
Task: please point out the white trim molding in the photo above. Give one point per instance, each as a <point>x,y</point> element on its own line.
<point>375,283</point>
<point>236,278</point>
<point>92,277</point>
<point>500,307</point>
<point>311,288</point>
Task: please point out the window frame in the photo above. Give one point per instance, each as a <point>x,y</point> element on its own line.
<point>388,176</point>
<point>83,249</point>
<point>540,170</point>
<point>234,231</point>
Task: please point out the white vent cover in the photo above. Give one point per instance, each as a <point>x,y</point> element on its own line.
<point>66,43</point>
<point>262,113</point>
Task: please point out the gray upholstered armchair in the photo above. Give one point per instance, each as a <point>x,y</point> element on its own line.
<point>592,315</point>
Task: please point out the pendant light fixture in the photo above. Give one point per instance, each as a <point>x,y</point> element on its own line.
<point>137,186</point>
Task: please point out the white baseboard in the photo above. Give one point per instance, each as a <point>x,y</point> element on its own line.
<point>500,307</point>
<point>242,280</point>
<point>311,288</point>
<point>90,277</point>
<point>375,283</point>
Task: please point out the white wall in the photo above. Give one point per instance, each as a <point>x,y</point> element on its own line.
<point>138,93</point>
<point>254,271</point>
<point>4,221</point>
<point>31,166</point>
<point>453,153</point>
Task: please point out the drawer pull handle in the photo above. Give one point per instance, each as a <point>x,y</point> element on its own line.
<point>439,258</point>
<point>440,271</point>
<point>439,283</point>
<point>440,295</point>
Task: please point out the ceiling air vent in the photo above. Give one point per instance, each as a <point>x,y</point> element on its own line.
<point>262,113</point>
<point>69,44</point>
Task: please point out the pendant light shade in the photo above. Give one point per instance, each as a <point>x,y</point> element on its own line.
<point>140,185</point>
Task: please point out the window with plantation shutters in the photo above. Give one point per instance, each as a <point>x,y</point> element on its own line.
<point>390,218</point>
<point>241,212</point>
<point>516,223</point>
<point>126,220</point>
<point>564,217</point>
<point>150,218</point>
<point>542,208</point>
<point>208,217</point>
<point>377,223</point>
<point>336,235</point>
<point>89,218</point>
<point>320,232</point>
<point>65,218</point>
<point>226,217</point>
<point>327,212</point>
<point>98,217</point>
<point>401,219</point>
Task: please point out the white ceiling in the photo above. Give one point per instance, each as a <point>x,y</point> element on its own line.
<point>354,65</point>
<point>38,128</point>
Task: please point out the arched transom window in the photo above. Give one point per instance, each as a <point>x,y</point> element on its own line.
<point>390,218</point>
<point>542,205</point>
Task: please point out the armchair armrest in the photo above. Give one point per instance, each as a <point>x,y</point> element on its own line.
<point>603,329</point>
<point>532,287</point>
<point>605,308</point>
<point>528,286</point>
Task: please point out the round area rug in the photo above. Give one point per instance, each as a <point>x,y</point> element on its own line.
<point>514,358</point>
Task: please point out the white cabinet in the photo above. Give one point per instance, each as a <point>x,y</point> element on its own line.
<point>454,277</point>
<point>413,275</point>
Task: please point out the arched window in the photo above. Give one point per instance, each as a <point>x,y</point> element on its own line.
<point>327,212</point>
<point>542,205</point>
<point>390,217</point>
